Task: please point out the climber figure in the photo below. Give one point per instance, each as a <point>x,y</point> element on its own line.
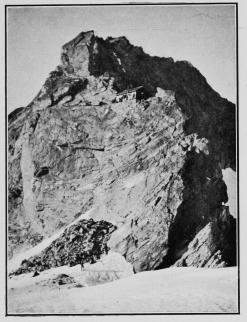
<point>106,249</point>
<point>36,273</point>
<point>82,265</point>
<point>81,261</point>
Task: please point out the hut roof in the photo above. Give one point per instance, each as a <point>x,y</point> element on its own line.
<point>129,90</point>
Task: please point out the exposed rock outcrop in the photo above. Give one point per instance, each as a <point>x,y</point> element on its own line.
<point>151,168</point>
<point>81,243</point>
<point>213,246</point>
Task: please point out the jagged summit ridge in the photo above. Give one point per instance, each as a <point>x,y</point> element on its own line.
<point>83,37</point>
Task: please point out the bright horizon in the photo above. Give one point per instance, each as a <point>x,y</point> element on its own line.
<point>204,35</point>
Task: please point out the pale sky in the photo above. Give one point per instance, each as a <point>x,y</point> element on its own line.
<point>202,34</point>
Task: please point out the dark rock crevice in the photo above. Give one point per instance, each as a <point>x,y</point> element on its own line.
<point>41,172</point>
<point>202,204</point>
<point>88,148</point>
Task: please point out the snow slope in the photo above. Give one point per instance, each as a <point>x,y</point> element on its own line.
<point>172,290</point>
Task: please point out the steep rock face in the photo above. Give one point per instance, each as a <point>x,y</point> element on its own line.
<point>151,168</point>
<point>212,244</point>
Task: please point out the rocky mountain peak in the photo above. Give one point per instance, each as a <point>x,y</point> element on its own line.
<point>151,167</point>
<point>75,55</point>
<point>82,38</point>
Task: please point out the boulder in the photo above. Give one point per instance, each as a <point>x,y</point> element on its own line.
<point>71,248</point>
